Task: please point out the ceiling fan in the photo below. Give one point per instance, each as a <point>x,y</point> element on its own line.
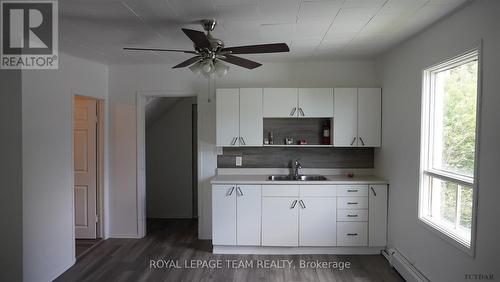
<point>210,52</point>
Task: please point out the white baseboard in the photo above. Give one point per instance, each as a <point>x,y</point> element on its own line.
<point>261,250</point>
<point>402,265</point>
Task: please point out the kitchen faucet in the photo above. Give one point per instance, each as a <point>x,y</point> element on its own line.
<point>294,173</point>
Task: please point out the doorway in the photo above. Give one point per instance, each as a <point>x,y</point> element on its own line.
<point>167,155</point>
<point>171,147</point>
<point>88,145</point>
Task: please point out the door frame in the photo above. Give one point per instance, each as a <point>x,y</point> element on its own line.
<point>141,101</point>
<point>101,152</point>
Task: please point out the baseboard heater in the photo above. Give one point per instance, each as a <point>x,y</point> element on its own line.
<point>402,265</point>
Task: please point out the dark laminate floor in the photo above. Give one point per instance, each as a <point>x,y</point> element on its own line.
<point>129,259</point>
<point>84,245</point>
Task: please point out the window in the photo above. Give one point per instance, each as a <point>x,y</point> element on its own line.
<point>448,149</point>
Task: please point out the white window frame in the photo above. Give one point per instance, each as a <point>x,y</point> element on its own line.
<point>426,170</point>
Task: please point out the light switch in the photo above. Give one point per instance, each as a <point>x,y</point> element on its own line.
<point>239,160</point>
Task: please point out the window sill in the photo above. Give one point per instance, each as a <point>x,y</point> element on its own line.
<point>448,236</point>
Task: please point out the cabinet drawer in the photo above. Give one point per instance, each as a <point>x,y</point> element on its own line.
<point>352,190</point>
<point>352,233</point>
<point>280,190</point>
<point>352,215</point>
<point>318,190</point>
<point>352,203</point>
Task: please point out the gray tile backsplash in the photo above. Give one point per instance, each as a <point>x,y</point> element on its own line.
<point>280,157</point>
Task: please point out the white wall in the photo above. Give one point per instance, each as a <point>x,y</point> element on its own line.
<point>11,176</point>
<point>398,160</point>
<point>126,81</point>
<point>47,122</point>
<point>169,183</point>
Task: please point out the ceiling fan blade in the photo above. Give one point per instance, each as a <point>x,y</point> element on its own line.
<point>199,38</point>
<point>261,48</point>
<point>239,61</point>
<point>187,62</point>
<point>161,50</point>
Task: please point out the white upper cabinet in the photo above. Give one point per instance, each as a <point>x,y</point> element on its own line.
<point>369,117</point>
<point>345,118</point>
<point>357,118</point>
<point>227,116</point>
<point>250,117</point>
<point>377,216</point>
<point>315,102</point>
<point>239,117</point>
<point>280,102</point>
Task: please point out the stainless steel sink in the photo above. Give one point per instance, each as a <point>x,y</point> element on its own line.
<point>299,178</point>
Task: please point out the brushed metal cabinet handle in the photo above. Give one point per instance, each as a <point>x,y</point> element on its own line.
<point>353,140</point>
<point>242,141</point>
<point>230,192</point>
<point>352,190</point>
<point>352,234</point>
<point>352,203</point>
<point>293,111</point>
<point>362,142</point>
<point>373,190</point>
<point>352,215</point>
<point>238,189</point>
<point>293,204</point>
<point>302,112</point>
<point>234,140</point>
<point>302,205</point>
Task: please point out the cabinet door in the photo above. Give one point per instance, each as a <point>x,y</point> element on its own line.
<point>251,117</point>
<point>377,215</point>
<point>316,102</point>
<point>224,214</point>
<point>280,102</point>
<point>369,117</point>
<point>227,117</point>
<point>345,117</point>
<point>280,221</point>
<point>318,222</point>
<point>248,215</point>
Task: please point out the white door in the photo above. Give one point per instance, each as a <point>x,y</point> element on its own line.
<point>251,131</point>
<point>85,168</point>
<point>248,211</point>
<point>280,221</point>
<point>345,122</point>
<point>369,117</point>
<point>316,102</point>
<point>318,222</point>
<point>280,102</point>
<point>227,117</point>
<point>377,215</point>
<point>224,214</point>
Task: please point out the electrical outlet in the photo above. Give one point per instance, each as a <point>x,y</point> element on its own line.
<point>239,161</point>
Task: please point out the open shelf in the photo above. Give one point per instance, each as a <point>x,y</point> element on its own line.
<point>296,146</point>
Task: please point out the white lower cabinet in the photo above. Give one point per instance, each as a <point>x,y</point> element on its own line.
<point>299,215</point>
<point>280,221</point>
<point>223,215</point>
<point>248,217</point>
<point>317,222</point>
<point>377,217</point>
<point>236,214</point>
<point>350,234</point>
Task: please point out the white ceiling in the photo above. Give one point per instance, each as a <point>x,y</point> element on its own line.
<point>317,30</point>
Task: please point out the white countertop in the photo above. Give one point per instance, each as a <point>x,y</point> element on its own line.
<point>262,179</point>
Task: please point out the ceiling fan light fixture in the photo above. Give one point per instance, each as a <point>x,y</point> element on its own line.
<point>207,66</point>
<point>196,67</point>
<point>221,68</point>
